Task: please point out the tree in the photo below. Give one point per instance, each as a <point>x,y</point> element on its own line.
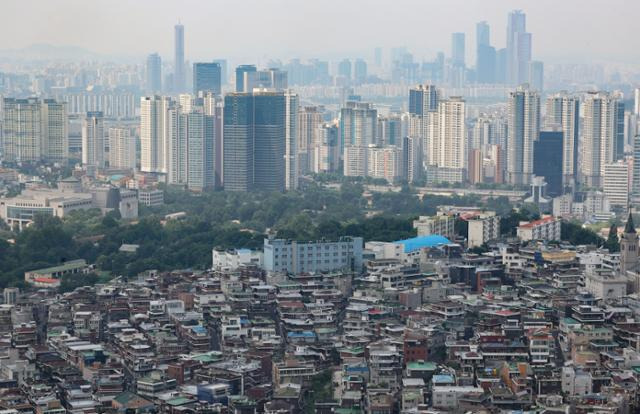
<point>613,242</point>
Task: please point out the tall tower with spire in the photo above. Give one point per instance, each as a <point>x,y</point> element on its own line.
<point>629,247</point>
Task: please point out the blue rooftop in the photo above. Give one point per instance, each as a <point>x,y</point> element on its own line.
<point>199,329</point>
<point>443,379</point>
<point>418,243</point>
<point>305,334</point>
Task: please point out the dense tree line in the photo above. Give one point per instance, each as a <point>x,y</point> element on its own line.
<point>229,220</point>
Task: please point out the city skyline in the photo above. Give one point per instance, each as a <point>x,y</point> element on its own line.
<point>114,24</point>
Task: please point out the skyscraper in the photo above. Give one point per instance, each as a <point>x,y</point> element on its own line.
<point>518,48</point>
<point>238,142</point>
<point>255,135</point>
<point>358,123</point>
<point>423,99</point>
<point>178,60</point>
<point>536,75</point>
<point>619,133</point>
<point>636,101</point>
<point>344,69</point>
<point>309,120</point>
<point>191,145</point>
<point>154,74</point>
<point>599,137</point>
<point>55,132</point>
<point>485,54</point>
<point>635,179</point>
<point>207,78</point>
<point>93,140</point>
<point>547,160</point>
<point>523,129</point>
<point>615,185</point>
<point>563,111</point>
<point>34,130</point>
<point>240,77</point>
<point>154,133</point>
<point>457,49</point>
<point>224,74</point>
<point>122,148</point>
<point>291,140</point>
<point>360,71</point>
<point>483,34</point>
<point>446,142</point>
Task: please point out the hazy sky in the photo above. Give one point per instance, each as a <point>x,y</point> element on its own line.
<point>566,30</point>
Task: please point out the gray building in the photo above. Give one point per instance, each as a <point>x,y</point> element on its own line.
<point>154,74</point>
<point>207,77</point>
<point>319,256</point>
<point>254,141</point>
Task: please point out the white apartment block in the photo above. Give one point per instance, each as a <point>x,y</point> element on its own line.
<point>616,184</point>
<point>384,163</point>
<point>483,228</point>
<point>547,229</point>
<point>122,148</point>
<point>154,131</point>
<point>598,143</point>
<point>441,224</point>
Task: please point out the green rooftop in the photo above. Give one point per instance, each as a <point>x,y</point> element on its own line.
<point>65,267</point>
<point>422,366</point>
<point>179,401</point>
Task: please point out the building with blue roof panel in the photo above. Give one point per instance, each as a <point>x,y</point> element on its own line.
<point>417,243</point>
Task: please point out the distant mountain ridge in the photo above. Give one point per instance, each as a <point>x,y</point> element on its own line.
<point>45,51</point>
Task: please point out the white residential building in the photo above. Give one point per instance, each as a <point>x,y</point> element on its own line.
<point>154,131</point>
<point>547,229</point>
<point>384,163</point>
<point>483,228</point>
<point>122,148</point>
<point>523,130</point>
<point>441,224</point>
<point>616,184</point>
<point>93,140</point>
<point>598,144</point>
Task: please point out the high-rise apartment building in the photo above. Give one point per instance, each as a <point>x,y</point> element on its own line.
<point>55,132</point>
<point>309,120</point>
<point>122,148</point>
<point>93,140</point>
<point>207,77</point>
<point>635,178</point>
<point>358,130</point>
<point>423,99</point>
<point>446,142</point>
<point>326,156</point>
<point>458,49</point>
<point>192,145</point>
<point>154,74</point>
<point>291,140</point>
<point>616,185</point>
<point>178,61</point>
<point>154,130</point>
<point>385,163</point>
<point>599,137</point>
<point>34,130</point>
<point>523,129</point>
<point>563,112</point>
